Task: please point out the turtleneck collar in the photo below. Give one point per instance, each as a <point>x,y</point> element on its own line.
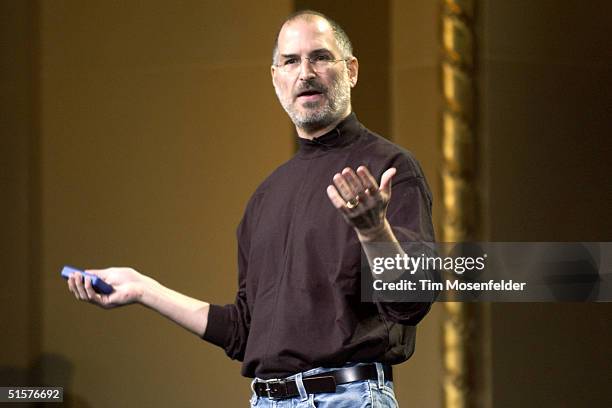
<point>342,135</point>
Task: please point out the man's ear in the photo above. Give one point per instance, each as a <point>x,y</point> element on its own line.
<point>273,73</point>
<point>353,67</point>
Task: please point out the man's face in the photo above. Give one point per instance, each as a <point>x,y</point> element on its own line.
<point>313,98</point>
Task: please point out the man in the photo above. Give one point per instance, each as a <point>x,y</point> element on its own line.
<point>298,323</point>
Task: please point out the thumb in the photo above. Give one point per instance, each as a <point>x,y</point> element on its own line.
<point>385,180</point>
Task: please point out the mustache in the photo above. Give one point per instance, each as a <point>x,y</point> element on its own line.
<point>310,86</point>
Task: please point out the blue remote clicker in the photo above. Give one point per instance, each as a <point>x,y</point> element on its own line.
<point>98,284</point>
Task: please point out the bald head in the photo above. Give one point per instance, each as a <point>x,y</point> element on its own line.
<point>323,22</point>
<point>316,95</point>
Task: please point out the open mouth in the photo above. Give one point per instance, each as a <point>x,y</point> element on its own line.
<point>309,94</point>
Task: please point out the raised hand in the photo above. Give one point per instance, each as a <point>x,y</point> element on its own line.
<point>359,198</point>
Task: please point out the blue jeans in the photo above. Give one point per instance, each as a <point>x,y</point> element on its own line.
<point>367,393</point>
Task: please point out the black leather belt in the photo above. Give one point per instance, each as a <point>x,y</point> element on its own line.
<point>324,382</point>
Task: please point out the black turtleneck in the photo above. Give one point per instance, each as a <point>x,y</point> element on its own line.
<point>298,303</point>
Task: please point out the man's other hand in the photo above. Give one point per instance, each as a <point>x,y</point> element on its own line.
<point>360,200</point>
<point>127,283</point>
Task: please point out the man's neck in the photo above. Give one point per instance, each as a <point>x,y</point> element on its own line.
<point>306,134</point>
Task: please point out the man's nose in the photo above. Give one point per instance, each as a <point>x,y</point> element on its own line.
<point>306,69</point>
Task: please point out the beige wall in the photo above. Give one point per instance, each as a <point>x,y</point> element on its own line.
<point>415,121</point>
<point>138,157</point>
<point>157,121</point>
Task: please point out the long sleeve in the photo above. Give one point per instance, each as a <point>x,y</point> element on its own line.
<point>228,325</point>
<point>409,214</point>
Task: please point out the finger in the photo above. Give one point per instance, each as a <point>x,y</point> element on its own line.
<point>72,287</point>
<point>385,180</point>
<point>353,181</point>
<point>335,198</point>
<point>367,180</point>
<point>91,293</point>
<point>86,281</point>
<point>345,191</point>
<point>78,283</point>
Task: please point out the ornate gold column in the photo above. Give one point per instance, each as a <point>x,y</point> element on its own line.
<point>458,192</point>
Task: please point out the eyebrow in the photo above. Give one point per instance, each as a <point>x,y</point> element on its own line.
<point>317,51</point>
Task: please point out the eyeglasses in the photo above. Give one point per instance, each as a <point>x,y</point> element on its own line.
<point>318,63</point>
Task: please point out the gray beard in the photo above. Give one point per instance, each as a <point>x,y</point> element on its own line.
<point>338,98</point>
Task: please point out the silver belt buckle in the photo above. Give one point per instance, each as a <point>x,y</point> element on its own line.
<point>276,389</point>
